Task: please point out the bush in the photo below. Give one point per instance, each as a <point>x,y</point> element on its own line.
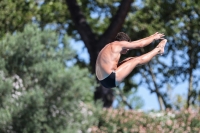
<point>130,121</point>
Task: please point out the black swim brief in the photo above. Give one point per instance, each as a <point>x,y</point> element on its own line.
<point>109,82</point>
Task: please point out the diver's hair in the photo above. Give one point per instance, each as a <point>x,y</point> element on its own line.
<point>121,36</point>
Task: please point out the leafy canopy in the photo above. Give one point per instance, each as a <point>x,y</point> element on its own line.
<point>38,92</point>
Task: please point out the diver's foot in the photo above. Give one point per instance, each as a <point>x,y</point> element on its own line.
<point>161,46</point>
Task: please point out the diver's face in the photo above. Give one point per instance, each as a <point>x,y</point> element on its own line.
<point>124,51</point>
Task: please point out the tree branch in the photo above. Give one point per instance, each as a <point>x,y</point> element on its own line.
<point>124,99</point>
<point>160,98</point>
<point>190,72</point>
<point>81,24</point>
<point>116,23</point>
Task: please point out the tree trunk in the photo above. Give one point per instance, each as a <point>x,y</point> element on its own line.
<point>190,87</point>
<point>93,44</point>
<point>161,100</point>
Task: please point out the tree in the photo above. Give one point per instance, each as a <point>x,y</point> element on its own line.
<point>39,93</point>
<point>95,43</point>
<point>50,11</point>
<point>97,22</point>
<point>179,20</point>
<point>15,15</point>
<point>153,17</point>
<point>187,51</point>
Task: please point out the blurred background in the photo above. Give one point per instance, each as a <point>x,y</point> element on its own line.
<point>48,52</point>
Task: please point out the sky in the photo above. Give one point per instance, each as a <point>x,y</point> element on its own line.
<point>150,100</point>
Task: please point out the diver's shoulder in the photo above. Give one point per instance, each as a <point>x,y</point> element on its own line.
<point>115,46</point>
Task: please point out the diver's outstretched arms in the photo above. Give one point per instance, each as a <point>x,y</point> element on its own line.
<point>142,42</point>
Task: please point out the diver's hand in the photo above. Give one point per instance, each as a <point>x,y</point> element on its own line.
<point>158,36</point>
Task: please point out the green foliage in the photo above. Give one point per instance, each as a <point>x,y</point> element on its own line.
<point>15,14</point>
<point>52,11</point>
<point>39,93</point>
<point>179,21</point>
